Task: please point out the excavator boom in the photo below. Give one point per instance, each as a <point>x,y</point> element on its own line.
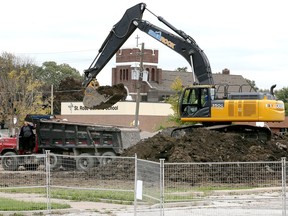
<point>121,31</point>
<point>183,45</point>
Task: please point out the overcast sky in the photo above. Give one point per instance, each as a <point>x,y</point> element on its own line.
<point>250,37</point>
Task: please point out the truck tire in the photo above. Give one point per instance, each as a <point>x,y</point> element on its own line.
<point>10,161</point>
<point>55,161</point>
<point>84,162</point>
<point>107,157</point>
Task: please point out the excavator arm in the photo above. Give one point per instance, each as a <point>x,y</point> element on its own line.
<point>118,35</point>
<point>101,97</point>
<point>183,45</point>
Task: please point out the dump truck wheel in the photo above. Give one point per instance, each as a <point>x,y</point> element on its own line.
<point>107,157</point>
<point>9,161</point>
<point>84,162</point>
<point>55,161</point>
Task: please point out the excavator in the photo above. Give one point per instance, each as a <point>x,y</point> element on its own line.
<point>199,103</point>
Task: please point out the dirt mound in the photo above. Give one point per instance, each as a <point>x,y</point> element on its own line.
<point>201,145</point>
<point>102,97</point>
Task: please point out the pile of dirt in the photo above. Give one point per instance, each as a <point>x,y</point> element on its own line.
<point>201,145</point>
<point>118,89</point>
<point>103,97</point>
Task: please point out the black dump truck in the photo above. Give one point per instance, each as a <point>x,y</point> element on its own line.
<point>71,144</point>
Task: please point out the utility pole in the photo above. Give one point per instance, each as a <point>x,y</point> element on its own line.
<point>52,96</point>
<point>138,85</point>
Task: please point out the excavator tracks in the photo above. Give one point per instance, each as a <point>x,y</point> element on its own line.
<point>245,131</point>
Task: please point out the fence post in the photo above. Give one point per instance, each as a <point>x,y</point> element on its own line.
<point>48,192</point>
<point>283,161</point>
<point>162,187</point>
<point>135,186</point>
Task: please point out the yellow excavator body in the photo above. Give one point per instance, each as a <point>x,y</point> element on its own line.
<point>242,111</point>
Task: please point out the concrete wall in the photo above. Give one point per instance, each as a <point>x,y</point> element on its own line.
<point>151,115</point>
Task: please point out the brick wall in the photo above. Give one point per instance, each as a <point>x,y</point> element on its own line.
<point>133,55</point>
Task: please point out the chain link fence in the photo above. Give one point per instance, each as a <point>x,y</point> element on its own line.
<point>149,188</point>
<point>25,175</point>
<point>246,188</point>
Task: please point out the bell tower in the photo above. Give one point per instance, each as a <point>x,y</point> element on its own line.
<point>127,69</point>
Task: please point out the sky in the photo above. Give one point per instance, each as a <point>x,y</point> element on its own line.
<point>249,37</point>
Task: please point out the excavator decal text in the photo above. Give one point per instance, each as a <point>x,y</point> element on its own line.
<point>157,35</point>
<point>218,105</point>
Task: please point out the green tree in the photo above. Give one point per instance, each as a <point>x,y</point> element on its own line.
<point>20,94</point>
<point>282,94</point>
<point>27,95</point>
<point>176,86</point>
<point>182,69</point>
<point>252,84</point>
<point>51,73</point>
<point>68,90</point>
<point>65,80</point>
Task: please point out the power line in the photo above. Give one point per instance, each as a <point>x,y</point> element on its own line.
<point>39,92</point>
<point>56,52</point>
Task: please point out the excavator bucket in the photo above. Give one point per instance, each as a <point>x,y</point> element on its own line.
<point>102,97</point>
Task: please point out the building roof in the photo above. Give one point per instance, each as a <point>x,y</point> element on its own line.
<point>168,77</point>
<point>236,83</point>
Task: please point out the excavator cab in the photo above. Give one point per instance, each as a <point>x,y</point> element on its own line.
<point>195,101</point>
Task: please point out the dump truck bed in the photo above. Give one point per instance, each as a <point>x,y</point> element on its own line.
<point>53,134</point>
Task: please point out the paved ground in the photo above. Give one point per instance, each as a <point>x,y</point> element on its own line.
<point>248,204</point>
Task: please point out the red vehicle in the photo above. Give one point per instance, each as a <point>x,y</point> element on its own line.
<point>7,143</point>
<point>64,139</point>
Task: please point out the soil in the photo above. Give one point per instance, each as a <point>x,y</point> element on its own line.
<point>103,97</point>
<point>118,89</point>
<point>202,145</point>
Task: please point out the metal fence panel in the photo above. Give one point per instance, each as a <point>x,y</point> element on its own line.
<point>252,188</point>
<point>148,188</point>
<point>112,181</point>
<point>23,183</point>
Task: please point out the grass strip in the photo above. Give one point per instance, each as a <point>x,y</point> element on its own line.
<point>8,204</point>
<point>119,197</point>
